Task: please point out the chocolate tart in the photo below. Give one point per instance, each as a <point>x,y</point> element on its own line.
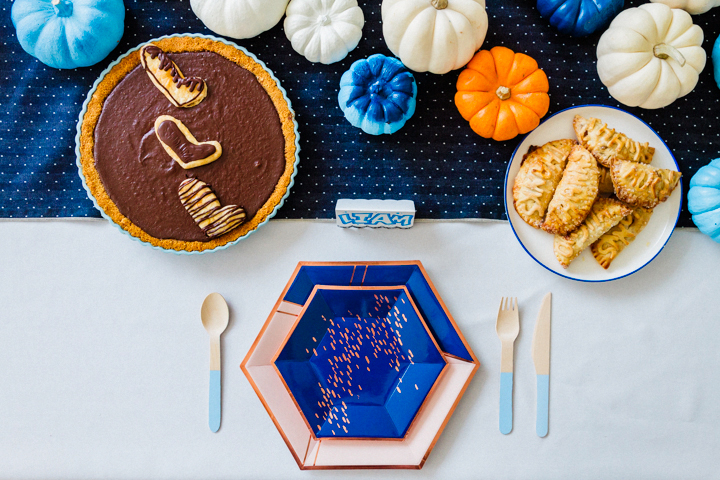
<point>133,180</point>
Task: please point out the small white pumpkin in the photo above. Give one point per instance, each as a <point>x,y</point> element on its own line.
<point>434,35</point>
<point>239,18</point>
<point>651,55</point>
<point>324,30</point>
<point>694,7</point>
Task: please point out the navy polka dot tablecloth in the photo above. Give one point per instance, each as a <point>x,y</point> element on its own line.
<point>435,159</point>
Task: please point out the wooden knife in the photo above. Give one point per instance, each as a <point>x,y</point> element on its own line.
<point>541,359</point>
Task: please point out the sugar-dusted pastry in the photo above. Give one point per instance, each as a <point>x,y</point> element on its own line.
<point>643,185</point>
<point>606,144</point>
<point>540,172</point>
<point>182,146</point>
<point>182,91</point>
<point>204,207</point>
<point>618,237</point>
<point>605,180</point>
<point>605,214</point>
<point>575,193</point>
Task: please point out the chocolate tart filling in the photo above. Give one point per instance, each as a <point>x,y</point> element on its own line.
<point>143,180</point>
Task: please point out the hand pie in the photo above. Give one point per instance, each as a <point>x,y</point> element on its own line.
<point>575,193</point>
<point>642,185</point>
<point>605,214</point>
<point>605,183</point>
<point>539,175</point>
<point>607,145</point>
<point>618,237</point>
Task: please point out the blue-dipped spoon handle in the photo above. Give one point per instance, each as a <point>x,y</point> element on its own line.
<point>214,405</point>
<point>506,415</point>
<point>543,395</point>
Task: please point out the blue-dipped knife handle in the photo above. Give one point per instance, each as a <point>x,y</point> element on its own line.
<point>506,389</point>
<point>543,395</point>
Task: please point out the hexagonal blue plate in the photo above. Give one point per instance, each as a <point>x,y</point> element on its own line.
<point>359,362</point>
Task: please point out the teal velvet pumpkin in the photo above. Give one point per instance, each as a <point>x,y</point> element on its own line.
<point>716,60</point>
<point>69,33</point>
<point>704,199</point>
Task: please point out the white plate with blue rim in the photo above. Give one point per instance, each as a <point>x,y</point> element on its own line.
<point>647,245</point>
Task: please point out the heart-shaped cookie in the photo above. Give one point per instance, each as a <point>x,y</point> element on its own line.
<point>182,146</point>
<point>182,91</point>
<point>204,207</point>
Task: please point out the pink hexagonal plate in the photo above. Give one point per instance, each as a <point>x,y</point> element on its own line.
<point>312,453</point>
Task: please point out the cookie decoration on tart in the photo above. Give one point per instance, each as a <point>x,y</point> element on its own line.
<point>642,185</point>
<point>182,91</point>
<point>538,177</point>
<point>605,214</point>
<point>204,207</point>
<point>182,146</point>
<point>606,144</point>
<point>611,243</point>
<point>574,195</point>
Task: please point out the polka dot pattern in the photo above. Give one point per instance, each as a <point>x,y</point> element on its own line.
<point>435,159</point>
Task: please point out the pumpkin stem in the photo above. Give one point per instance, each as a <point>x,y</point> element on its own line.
<point>439,4</point>
<point>63,8</point>
<point>664,51</point>
<point>503,93</point>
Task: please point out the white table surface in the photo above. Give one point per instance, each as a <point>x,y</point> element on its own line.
<point>104,361</point>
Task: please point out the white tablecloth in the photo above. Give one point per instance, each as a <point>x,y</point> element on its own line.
<point>104,361</point>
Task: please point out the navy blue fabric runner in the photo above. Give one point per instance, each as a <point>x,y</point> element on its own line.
<point>435,159</point>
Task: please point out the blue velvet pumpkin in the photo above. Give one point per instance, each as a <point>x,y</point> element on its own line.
<point>716,60</point>
<point>704,199</point>
<point>69,33</point>
<point>579,18</point>
<point>378,94</point>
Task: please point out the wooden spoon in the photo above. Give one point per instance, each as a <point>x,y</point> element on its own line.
<point>215,315</point>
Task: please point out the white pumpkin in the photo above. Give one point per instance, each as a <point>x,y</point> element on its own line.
<point>694,7</point>
<point>434,35</point>
<point>239,18</point>
<point>324,30</point>
<point>651,55</point>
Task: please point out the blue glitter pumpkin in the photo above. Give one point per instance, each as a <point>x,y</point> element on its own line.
<point>69,33</point>
<point>579,18</point>
<point>378,94</point>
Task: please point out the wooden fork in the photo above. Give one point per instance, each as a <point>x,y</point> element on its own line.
<point>507,328</point>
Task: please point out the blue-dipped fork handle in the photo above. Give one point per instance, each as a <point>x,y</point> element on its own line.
<point>506,394</point>
<point>543,395</point>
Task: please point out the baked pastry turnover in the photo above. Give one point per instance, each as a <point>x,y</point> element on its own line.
<point>540,172</point>
<point>618,237</point>
<point>642,185</point>
<point>574,195</point>
<point>607,145</point>
<point>605,214</point>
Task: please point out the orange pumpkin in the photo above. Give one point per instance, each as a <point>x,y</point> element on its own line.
<point>502,93</point>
